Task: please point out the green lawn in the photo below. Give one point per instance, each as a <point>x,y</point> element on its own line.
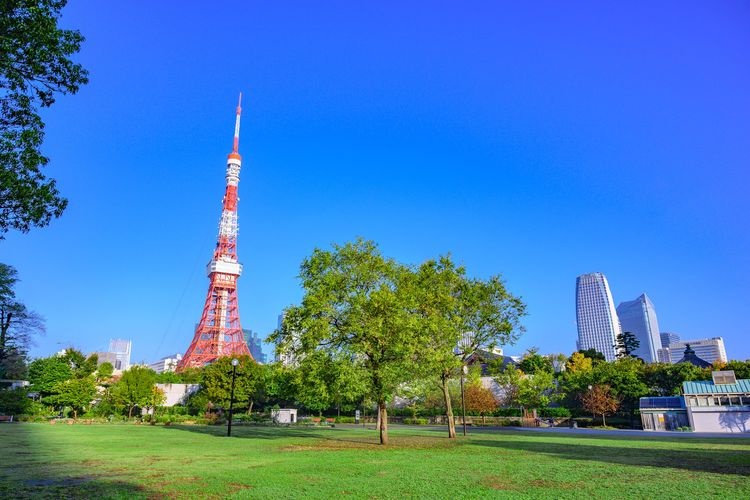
<point>192,461</point>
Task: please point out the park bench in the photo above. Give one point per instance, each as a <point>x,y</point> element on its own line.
<point>6,418</point>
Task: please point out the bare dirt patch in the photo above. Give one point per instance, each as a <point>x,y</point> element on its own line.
<point>499,483</point>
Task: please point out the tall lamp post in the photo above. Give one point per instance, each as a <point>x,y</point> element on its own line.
<point>235,362</point>
<point>464,371</point>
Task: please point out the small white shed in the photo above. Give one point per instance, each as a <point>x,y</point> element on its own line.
<point>284,415</point>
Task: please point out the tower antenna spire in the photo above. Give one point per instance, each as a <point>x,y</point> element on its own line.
<point>236,145</point>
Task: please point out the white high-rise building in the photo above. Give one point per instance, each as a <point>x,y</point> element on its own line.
<point>639,318</point>
<point>166,364</point>
<point>711,350</point>
<point>598,326</point>
<point>121,349</point>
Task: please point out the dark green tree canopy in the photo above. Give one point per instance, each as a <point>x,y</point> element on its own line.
<point>17,326</point>
<point>626,344</point>
<point>35,65</point>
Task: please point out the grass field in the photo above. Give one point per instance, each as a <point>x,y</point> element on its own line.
<point>131,461</point>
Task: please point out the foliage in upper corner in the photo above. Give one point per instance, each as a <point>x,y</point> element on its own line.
<point>35,65</point>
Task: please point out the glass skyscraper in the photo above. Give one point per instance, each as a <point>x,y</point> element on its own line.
<point>639,318</point>
<point>596,317</point>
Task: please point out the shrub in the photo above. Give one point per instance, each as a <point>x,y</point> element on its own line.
<point>416,421</point>
<point>344,420</point>
<point>509,412</point>
<point>554,412</point>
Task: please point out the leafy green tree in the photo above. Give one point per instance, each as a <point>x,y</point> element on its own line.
<point>663,379</point>
<point>536,391</point>
<point>357,305</point>
<point>80,365</point>
<point>134,388</point>
<point>533,362</point>
<point>525,391</point>
<point>625,378</point>
<point>104,372</point>
<point>77,392</point>
<point>456,316</point>
<point>626,344</point>
<point>46,373</point>
<point>594,355</point>
<point>35,65</point>
<point>17,326</point>
<point>216,381</point>
<point>574,381</point>
<point>14,401</point>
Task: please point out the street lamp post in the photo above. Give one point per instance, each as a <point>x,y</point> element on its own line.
<point>235,362</point>
<point>464,371</point>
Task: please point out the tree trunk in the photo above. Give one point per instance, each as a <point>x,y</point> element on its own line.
<point>604,421</point>
<point>75,414</point>
<point>130,412</point>
<point>250,408</point>
<point>383,417</point>
<point>448,408</point>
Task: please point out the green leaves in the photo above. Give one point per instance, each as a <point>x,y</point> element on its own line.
<point>35,65</point>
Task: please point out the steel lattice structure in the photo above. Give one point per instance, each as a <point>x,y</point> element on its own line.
<point>219,332</point>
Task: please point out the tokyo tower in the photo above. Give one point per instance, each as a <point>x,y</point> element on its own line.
<point>219,333</point>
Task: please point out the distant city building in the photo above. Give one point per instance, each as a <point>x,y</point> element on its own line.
<point>663,355</point>
<point>121,348</point>
<point>166,364</point>
<point>639,318</point>
<point>255,344</point>
<point>598,326</point>
<point>710,350</point>
<point>669,338</point>
<point>105,357</point>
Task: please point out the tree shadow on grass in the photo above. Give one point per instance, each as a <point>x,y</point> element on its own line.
<point>698,460</point>
<point>272,433</point>
<point>30,469</point>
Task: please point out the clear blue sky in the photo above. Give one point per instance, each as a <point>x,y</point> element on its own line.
<point>539,140</point>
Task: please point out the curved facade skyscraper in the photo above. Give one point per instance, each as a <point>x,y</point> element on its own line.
<point>598,325</point>
<point>639,318</point>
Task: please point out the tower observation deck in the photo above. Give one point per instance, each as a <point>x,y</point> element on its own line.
<point>219,332</point>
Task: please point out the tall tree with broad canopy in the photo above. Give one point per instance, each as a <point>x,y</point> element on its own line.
<point>77,392</point>
<point>17,326</point>
<point>35,65</point>
<point>46,373</point>
<point>135,388</point>
<point>216,381</point>
<point>457,315</point>
<point>357,305</point>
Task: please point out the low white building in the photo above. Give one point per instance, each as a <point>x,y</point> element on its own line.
<point>722,405</point>
<point>284,415</point>
<point>177,394</point>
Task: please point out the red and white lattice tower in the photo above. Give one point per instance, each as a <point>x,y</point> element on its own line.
<point>219,332</point>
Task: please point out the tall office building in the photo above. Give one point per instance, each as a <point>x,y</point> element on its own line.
<point>596,316</point>
<point>669,338</point>
<point>711,350</point>
<point>639,318</point>
<point>121,349</point>
<point>255,344</point>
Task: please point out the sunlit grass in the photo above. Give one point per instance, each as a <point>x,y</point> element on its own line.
<point>185,461</point>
